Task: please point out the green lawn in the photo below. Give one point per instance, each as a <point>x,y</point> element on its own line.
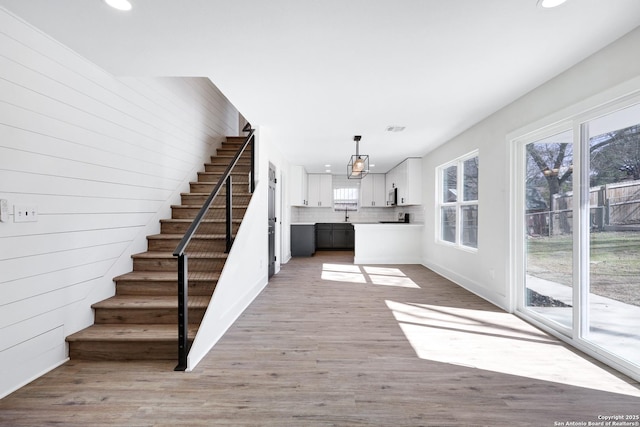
<point>614,263</point>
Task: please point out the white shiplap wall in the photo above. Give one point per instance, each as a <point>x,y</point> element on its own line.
<point>102,158</point>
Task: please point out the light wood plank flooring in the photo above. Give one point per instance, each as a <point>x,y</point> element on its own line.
<point>329,343</point>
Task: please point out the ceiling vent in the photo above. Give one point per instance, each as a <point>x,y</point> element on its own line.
<point>395,128</point>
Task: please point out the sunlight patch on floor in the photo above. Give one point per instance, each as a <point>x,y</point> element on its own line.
<point>499,342</point>
<point>384,271</point>
<point>382,276</point>
<point>403,282</point>
<point>341,276</point>
<point>348,268</point>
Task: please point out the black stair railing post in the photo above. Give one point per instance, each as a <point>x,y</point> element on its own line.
<point>183,314</point>
<point>229,209</point>
<point>253,163</point>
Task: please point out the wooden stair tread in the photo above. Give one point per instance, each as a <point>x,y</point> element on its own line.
<point>235,182</point>
<point>167,236</point>
<point>150,302</point>
<point>234,172</point>
<point>130,332</point>
<point>169,255</point>
<point>166,276</point>
<point>231,156</point>
<point>190,220</point>
<point>235,193</point>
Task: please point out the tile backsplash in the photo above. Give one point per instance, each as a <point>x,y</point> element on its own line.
<point>300,214</point>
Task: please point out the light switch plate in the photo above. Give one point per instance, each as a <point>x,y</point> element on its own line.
<point>4,210</point>
<point>25,213</point>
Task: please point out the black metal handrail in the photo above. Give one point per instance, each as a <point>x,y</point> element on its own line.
<point>225,179</point>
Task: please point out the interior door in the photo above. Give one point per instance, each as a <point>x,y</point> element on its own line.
<point>272,220</point>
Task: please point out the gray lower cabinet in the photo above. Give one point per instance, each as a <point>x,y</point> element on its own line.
<point>334,236</point>
<point>324,236</point>
<point>303,239</point>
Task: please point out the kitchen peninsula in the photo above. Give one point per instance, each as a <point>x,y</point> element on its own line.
<point>390,243</point>
<point>374,242</point>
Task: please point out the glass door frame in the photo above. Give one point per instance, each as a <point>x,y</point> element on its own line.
<point>518,227</point>
<point>576,121</point>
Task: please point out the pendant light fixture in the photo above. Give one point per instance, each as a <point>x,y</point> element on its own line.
<point>358,165</point>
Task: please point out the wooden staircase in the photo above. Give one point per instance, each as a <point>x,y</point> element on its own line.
<point>141,321</point>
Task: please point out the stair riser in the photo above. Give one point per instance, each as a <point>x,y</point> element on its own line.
<point>235,139</point>
<point>169,227</point>
<point>215,212</point>
<point>199,199</point>
<point>215,177</point>
<point>225,160</point>
<point>137,316</point>
<point>168,264</point>
<point>124,350</point>
<point>231,151</point>
<point>207,187</point>
<point>169,245</point>
<point>239,169</point>
<point>128,287</point>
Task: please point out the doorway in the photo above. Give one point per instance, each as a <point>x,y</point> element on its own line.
<point>272,219</point>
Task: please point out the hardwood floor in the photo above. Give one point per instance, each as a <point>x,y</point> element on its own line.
<point>329,343</point>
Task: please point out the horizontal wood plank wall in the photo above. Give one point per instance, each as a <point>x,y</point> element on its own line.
<point>102,158</point>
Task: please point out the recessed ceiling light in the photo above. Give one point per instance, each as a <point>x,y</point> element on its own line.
<point>550,3</point>
<point>328,170</point>
<point>327,166</point>
<point>372,166</point>
<point>393,128</point>
<point>119,4</point>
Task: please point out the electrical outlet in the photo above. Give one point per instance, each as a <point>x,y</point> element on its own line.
<point>4,210</point>
<point>25,213</point>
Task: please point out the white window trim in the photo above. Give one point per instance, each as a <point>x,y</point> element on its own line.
<point>572,117</point>
<point>459,163</point>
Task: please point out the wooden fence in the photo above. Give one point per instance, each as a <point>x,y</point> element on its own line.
<point>614,207</point>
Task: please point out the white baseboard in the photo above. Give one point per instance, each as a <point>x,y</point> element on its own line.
<point>469,284</point>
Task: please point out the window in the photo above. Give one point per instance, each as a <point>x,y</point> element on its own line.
<point>346,194</point>
<point>458,201</point>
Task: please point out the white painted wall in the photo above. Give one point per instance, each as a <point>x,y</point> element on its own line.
<point>487,272</point>
<point>103,159</point>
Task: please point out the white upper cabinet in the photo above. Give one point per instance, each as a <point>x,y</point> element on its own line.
<point>373,191</point>
<point>320,190</point>
<point>298,185</point>
<point>407,178</point>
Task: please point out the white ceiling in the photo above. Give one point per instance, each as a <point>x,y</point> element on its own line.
<point>317,72</point>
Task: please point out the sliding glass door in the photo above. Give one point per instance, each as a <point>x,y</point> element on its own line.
<point>549,228</point>
<point>577,232</point>
<point>613,285</point>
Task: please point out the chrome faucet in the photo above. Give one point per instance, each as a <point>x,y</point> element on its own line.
<point>346,214</point>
